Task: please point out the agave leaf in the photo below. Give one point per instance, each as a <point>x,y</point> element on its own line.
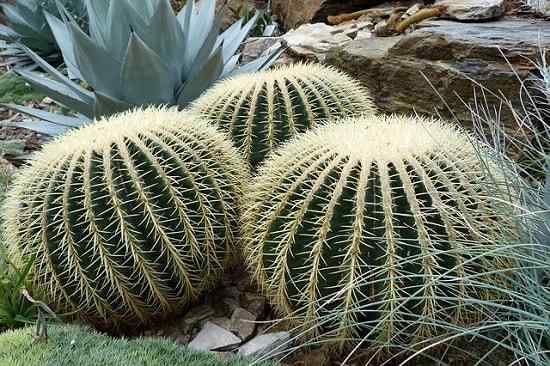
<point>98,11</point>
<point>197,27</point>
<point>53,118</point>
<point>145,78</point>
<point>6,33</point>
<point>83,94</point>
<point>169,47</point>
<point>18,23</point>
<point>106,105</point>
<point>64,41</point>
<point>210,45</point>
<point>58,92</point>
<point>96,65</point>
<point>147,7</point>
<point>121,19</point>
<point>231,65</point>
<point>204,20</point>
<point>29,4</point>
<point>202,79</point>
<point>233,37</point>
<point>261,63</point>
<point>43,127</point>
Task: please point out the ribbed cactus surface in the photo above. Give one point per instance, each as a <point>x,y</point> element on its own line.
<point>129,218</point>
<point>264,109</point>
<point>375,227</point>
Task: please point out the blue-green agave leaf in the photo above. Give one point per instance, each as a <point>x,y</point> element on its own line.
<point>43,127</point>
<point>234,36</point>
<point>170,47</point>
<point>64,41</point>
<point>106,105</point>
<point>145,78</point>
<point>261,63</point>
<point>58,92</point>
<point>197,27</point>
<point>83,94</point>
<point>201,80</point>
<point>97,66</point>
<point>98,11</point>
<point>54,118</point>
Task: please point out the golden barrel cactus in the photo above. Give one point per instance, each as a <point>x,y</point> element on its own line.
<point>376,227</point>
<point>130,218</point>
<point>264,109</point>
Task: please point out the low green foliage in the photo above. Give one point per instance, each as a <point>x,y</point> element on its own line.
<point>15,311</point>
<point>73,345</point>
<point>14,89</point>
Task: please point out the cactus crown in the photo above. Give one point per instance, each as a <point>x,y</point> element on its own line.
<point>265,109</point>
<point>130,218</point>
<point>375,226</point>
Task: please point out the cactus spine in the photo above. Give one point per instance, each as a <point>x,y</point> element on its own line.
<point>265,109</point>
<point>130,218</point>
<point>371,226</point>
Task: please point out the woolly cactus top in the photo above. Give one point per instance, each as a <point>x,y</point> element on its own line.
<point>396,137</point>
<point>327,80</point>
<point>101,134</point>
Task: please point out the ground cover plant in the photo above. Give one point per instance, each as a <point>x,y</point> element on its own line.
<point>14,89</point>
<point>75,345</point>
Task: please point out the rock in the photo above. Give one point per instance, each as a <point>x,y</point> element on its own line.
<point>313,41</point>
<point>293,13</point>
<point>471,10</point>
<point>243,323</point>
<point>541,6</point>
<point>225,323</point>
<point>314,357</point>
<point>182,339</point>
<point>213,338</point>
<point>450,55</point>
<point>196,315</point>
<point>254,303</point>
<point>270,345</point>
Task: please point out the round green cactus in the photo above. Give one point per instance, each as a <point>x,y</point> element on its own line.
<point>129,218</point>
<point>265,109</point>
<point>377,227</point>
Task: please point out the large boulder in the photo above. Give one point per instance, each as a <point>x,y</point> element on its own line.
<point>293,13</point>
<point>454,58</point>
<point>473,10</point>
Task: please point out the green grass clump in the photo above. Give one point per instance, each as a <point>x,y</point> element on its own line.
<point>15,310</point>
<point>13,89</point>
<point>74,345</point>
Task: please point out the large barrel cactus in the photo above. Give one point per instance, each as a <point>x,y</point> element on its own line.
<point>264,109</point>
<point>378,228</point>
<point>129,218</point>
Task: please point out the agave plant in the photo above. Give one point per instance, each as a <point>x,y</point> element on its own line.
<point>136,53</point>
<point>27,25</point>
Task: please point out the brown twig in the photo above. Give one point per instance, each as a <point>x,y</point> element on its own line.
<point>374,13</point>
<point>421,15</point>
